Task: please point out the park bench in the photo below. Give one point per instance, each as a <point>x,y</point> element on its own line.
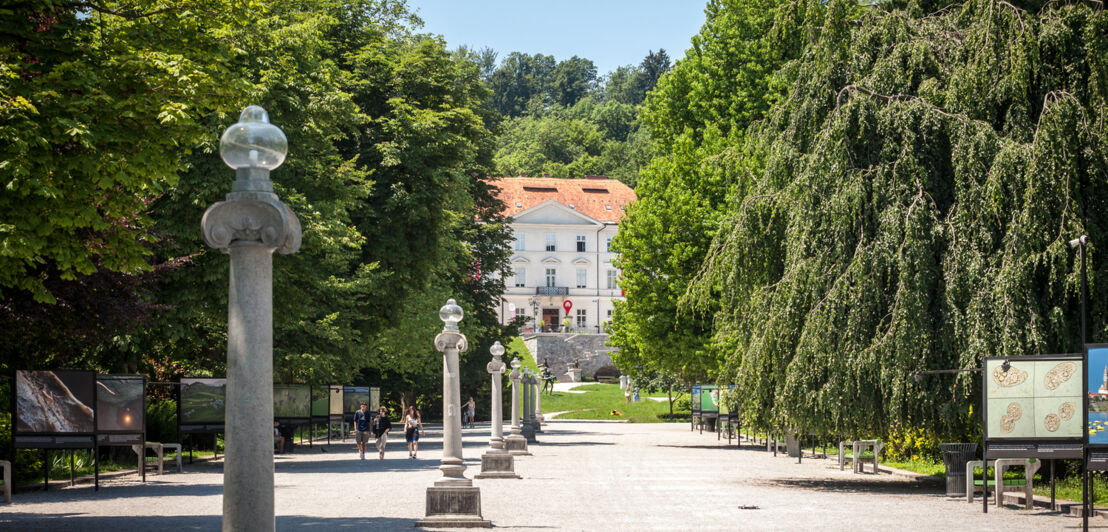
<point>857,461</point>
<point>159,449</point>
<point>1029,465</point>
<point>7,466</point>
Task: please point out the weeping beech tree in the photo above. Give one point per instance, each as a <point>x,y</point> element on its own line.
<point>906,206</point>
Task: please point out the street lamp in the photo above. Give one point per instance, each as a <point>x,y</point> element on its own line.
<point>249,225</point>
<point>1080,243</point>
<point>535,311</point>
<point>453,500</point>
<point>497,462</point>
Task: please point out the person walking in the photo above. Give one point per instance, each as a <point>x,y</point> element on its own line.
<point>413,425</point>
<point>470,412</point>
<point>361,429</point>
<point>381,428</point>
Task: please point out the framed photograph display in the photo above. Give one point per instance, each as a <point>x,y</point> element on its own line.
<point>374,399</point>
<point>202,406</point>
<point>54,409</point>
<point>694,401</point>
<point>321,403</point>
<point>1096,396</point>
<point>334,405</point>
<point>292,403</point>
<point>352,398</point>
<point>1034,407</point>
<point>120,409</point>
<point>709,399</point>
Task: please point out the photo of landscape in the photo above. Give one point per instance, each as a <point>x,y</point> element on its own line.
<point>203,401</point>
<point>320,399</point>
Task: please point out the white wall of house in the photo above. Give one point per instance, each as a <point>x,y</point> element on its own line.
<point>561,255</point>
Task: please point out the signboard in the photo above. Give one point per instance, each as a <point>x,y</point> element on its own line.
<point>695,400</point>
<point>1033,399</point>
<point>352,398</point>
<point>335,404</point>
<point>725,407</point>
<point>374,399</point>
<point>1096,395</point>
<point>54,409</point>
<point>120,409</point>
<point>292,403</point>
<point>202,405</point>
<point>709,399</point>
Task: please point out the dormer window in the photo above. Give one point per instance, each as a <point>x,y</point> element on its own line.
<point>571,206</point>
<point>607,207</point>
<point>519,205</point>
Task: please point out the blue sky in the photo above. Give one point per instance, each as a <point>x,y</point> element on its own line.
<point>609,32</point>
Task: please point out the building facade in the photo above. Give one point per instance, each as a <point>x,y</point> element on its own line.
<point>562,260</point>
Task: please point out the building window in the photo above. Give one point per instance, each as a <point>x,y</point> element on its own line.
<point>581,315</point>
<point>580,243</point>
<point>612,280</point>
<point>520,277</point>
<point>609,314</point>
<point>521,242</point>
<point>582,278</point>
<point>551,276</point>
<point>608,246</point>
<point>551,243</point>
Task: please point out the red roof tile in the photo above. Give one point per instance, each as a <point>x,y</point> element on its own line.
<point>591,196</point>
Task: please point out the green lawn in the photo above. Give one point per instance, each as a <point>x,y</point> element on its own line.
<point>517,348</point>
<point>600,400</point>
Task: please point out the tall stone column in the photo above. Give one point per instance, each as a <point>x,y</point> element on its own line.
<point>515,443</point>
<point>497,462</point>
<point>539,403</point>
<point>453,501</point>
<point>528,424</point>
<point>249,226</point>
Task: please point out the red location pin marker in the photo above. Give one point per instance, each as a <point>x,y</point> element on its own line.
<point>567,304</point>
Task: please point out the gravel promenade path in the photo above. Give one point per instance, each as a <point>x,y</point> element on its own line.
<point>583,476</point>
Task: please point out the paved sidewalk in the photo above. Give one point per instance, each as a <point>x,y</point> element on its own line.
<point>585,475</point>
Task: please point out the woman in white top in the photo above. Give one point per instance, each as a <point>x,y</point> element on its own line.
<point>413,425</point>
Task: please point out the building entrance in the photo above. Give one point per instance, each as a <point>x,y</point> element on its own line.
<point>550,316</point>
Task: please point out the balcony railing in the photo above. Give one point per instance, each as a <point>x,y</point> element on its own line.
<point>552,291</point>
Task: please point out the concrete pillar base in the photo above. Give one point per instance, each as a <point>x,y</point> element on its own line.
<point>453,507</point>
<point>528,433</point>
<point>516,445</point>
<point>497,464</point>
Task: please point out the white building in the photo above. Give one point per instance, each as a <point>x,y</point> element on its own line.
<point>563,232</point>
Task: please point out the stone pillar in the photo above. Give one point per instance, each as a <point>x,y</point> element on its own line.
<point>453,501</point>
<point>515,443</point>
<point>527,425</point>
<point>539,406</point>
<point>249,226</point>
<point>497,462</point>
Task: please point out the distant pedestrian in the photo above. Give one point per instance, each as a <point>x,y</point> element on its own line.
<point>635,396</point>
<point>470,412</point>
<point>413,425</point>
<point>361,429</point>
<point>278,439</point>
<point>381,428</point>
<point>627,394</point>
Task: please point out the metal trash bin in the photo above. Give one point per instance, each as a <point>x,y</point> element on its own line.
<point>955,457</point>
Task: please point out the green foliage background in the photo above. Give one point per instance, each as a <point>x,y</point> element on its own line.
<point>870,190</point>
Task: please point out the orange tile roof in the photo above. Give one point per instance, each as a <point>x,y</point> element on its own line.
<point>589,196</point>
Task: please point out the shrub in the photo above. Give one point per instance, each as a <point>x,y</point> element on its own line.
<point>907,445</point>
<point>161,420</point>
<point>683,404</point>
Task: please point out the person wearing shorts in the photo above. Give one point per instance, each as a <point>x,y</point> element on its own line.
<point>413,424</point>
<point>381,428</point>
<point>361,429</point>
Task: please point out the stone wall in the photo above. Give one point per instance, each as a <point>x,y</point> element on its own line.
<point>560,350</point>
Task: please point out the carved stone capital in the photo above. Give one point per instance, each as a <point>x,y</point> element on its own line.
<point>496,367</point>
<point>252,217</point>
<point>451,340</point>
<point>514,375</point>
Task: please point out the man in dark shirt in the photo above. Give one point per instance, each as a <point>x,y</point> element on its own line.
<point>361,429</point>
<point>381,428</point>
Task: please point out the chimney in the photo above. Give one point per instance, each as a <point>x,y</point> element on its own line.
<point>544,174</point>
<point>521,174</point>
